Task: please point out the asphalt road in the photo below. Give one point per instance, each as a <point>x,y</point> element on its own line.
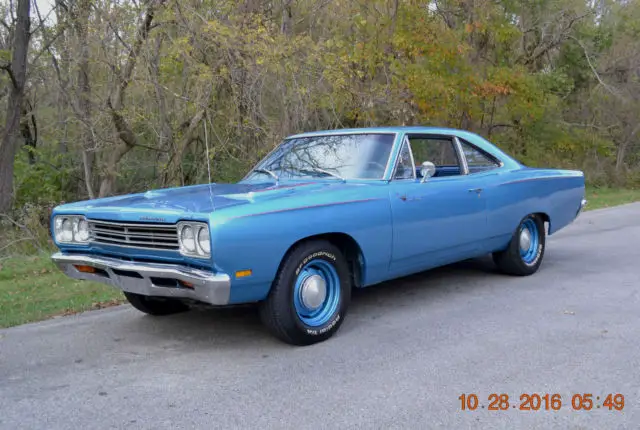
<point>406,352</point>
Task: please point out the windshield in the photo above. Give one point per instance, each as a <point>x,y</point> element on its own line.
<point>348,156</point>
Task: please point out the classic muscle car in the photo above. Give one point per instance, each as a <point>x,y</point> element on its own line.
<point>321,214</point>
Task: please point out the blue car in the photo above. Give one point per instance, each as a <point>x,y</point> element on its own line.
<point>323,213</point>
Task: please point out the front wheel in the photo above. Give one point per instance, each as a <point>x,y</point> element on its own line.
<point>310,295</point>
<point>524,254</point>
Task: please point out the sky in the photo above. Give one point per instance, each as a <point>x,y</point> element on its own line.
<point>45,6</point>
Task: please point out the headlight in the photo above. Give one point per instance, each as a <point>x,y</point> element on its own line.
<point>71,229</point>
<point>204,240</point>
<point>81,230</point>
<point>188,239</point>
<point>194,239</point>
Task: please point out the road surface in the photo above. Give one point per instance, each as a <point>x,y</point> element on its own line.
<point>406,352</point>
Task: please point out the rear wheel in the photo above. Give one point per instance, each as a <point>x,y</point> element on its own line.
<point>155,305</point>
<point>310,295</point>
<point>524,254</point>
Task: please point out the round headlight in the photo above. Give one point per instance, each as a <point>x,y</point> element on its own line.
<point>66,231</point>
<point>204,240</point>
<point>81,232</point>
<point>187,238</point>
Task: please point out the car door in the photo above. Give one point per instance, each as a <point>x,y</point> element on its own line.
<point>441,219</point>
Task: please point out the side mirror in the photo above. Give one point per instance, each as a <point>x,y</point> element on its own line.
<point>427,170</point>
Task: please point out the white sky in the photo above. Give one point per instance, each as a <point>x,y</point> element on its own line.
<point>45,7</point>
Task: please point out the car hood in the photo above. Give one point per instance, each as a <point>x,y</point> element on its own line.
<point>167,205</point>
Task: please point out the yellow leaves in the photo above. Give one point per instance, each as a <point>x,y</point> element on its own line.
<point>470,27</point>
<point>488,90</point>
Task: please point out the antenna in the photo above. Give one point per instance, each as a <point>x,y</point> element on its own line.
<point>206,145</point>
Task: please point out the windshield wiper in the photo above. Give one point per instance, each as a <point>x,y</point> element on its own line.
<point>318,170</point>
<point>268,172</point>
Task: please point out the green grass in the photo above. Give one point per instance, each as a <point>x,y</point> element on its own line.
<point>33,289</point>
<point>606,197</point>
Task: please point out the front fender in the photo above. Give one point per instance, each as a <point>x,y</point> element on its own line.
<point>259,241</point>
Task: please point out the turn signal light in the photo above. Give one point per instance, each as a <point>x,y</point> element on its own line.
<point>186,284</point>
<point>243,273</point>
<point>85,269</point>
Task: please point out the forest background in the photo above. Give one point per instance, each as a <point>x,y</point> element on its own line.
<point>104,97</point>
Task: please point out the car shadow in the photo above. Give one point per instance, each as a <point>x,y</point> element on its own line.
<point>240,326</point>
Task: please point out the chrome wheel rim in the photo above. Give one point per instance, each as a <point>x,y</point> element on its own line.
<point>529,241</point>
<point>316,293</point>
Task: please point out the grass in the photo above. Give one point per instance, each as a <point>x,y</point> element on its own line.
<point>33,289</point>
<point>606,197</point>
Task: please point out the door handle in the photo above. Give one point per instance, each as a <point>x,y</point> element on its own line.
<point>475,190</point>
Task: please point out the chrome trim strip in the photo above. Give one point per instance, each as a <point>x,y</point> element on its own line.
<point>413,160</point>
<point>144,248</point>
<point>336,133</point>
<point>495,159</point>
<point>462,160</point>
<point>173,245</point>
<point>208,287</point>
<point>129,224</point>
<point>405,141</point>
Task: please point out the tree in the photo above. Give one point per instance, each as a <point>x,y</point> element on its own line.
<point>17,71</point>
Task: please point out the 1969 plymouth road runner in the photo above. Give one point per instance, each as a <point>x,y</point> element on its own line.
<point>323,213</point>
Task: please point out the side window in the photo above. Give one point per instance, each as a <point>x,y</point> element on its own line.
<point>438,150</point>
<point>405,168</point>
<point>477,160</point>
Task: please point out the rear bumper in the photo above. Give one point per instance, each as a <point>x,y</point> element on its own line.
<point>583,203</point>
<point>149,279</point>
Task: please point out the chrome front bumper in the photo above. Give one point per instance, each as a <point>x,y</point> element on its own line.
<point>149,279</point>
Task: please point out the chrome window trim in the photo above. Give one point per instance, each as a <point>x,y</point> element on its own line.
<point>405,141</point>
<point>462,160</point>
<point>498,163</point>
<point>337,133</point>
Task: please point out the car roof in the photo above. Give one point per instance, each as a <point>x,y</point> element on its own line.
<point>390,129</point>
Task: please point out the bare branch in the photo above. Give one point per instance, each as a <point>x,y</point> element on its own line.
<point>613,91</point>
<point>7,68</point>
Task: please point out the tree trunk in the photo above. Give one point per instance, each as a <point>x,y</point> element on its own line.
<point>17,71</point>
<point>84,95</point>
<point>115,104</point>
<point>174,175</point>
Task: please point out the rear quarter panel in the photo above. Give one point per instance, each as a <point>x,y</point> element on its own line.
<point>517,193</point>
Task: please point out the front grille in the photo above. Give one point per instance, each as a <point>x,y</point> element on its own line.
<point>146,236</point>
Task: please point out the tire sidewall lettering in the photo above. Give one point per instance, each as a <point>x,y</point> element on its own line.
<point>326,328</point>
<point>315,255</point>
